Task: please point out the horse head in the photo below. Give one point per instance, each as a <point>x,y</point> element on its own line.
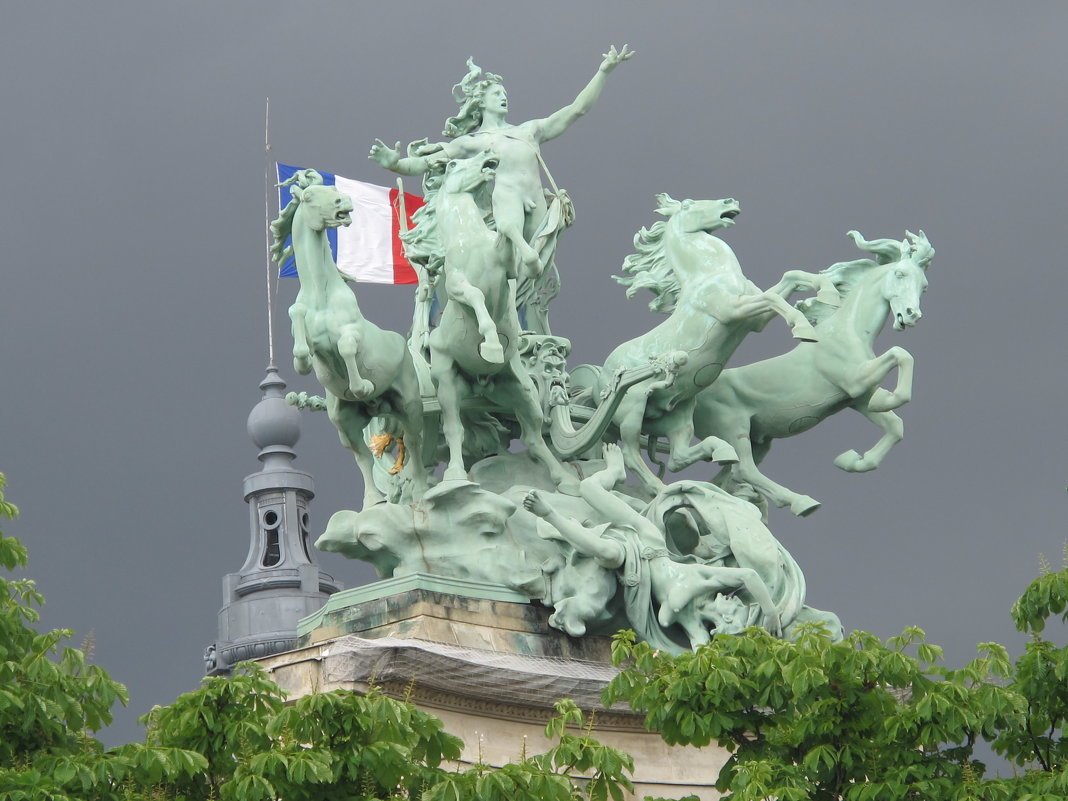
<point>323,206</point>
<point>652,266</point>
<point>905,280</point>
<point>698,216</point>
<point>468,175</point>
<point>897,275</point>
<point>319,207</point>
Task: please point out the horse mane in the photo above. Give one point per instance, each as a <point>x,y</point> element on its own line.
<point>282,228</point>
<point>422,242</point>
<point>885,250</point>
<point>845,275</point>
<point>648,268</point>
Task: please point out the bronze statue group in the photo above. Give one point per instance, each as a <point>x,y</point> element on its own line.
<point>575,520</point>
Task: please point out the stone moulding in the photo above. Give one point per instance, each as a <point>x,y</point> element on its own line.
<point>401,584</point>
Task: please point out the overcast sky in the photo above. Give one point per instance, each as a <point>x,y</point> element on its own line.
<point>132,314</point>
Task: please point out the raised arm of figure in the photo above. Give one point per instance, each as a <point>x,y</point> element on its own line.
<point>555,124</point>
<point>390,158</point>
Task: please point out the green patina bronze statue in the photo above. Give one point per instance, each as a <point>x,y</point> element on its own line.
<point>573,519</point>
<point>524,215</point>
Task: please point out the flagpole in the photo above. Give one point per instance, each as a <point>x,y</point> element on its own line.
<point>267,230</point>
<point>402,215</point>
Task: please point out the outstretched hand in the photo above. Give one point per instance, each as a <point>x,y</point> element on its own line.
<point>613,58</point>
<point>385,155</point>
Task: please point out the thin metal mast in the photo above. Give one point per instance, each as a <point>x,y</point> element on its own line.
<point>267,185</point>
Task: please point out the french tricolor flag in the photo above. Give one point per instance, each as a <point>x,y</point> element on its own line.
<point>369,249</point>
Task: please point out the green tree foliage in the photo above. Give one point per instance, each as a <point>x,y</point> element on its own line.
<point>340,745</point>
<point>864,720</point>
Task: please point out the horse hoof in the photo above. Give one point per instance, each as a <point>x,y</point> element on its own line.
<point>883,400</point>
<point>853,462</point>
<point>847,461</point>
<point>492,352</point>
<point>805,333</point>
<point>725,454</point>
<point>803,506</point>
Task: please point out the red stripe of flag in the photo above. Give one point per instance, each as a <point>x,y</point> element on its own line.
<point>403,272</point>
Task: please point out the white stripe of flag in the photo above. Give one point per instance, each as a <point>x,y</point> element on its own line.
<point>369,250</point>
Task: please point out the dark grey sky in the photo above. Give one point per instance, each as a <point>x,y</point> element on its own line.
<point>132,310</point>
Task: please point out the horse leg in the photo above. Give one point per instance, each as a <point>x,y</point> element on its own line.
<point>800,327</point>
<point>348,345</point>
<point>800,281</point>
<point>683,453</point>
<point>629,418</point>
<point>463,291</point>
<point>883,401</point>
<point>749,456</point>
<point>448,386</point>
<point>302,362</point>
<point>865,377</point>
<point>519,393</point>
<point>350,420</point>
<point>893,429</point>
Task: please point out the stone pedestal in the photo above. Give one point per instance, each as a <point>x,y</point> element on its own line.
<point>485,661</point>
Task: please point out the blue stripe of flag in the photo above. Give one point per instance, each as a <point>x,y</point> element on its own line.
<point>288,269</point>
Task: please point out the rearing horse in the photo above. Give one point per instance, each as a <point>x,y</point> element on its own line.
<point>476,342</point>
<point>750,406</point>
<point>366,372</point>
<point>712,306</point>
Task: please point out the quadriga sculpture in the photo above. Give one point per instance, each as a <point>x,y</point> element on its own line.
<point>752,405</point>
<point>677,563</point>
<point>712,306</point>
<point>365,371</point>
<point>475,347</point>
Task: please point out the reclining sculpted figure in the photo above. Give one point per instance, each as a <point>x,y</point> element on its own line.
<point>629,542</point>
